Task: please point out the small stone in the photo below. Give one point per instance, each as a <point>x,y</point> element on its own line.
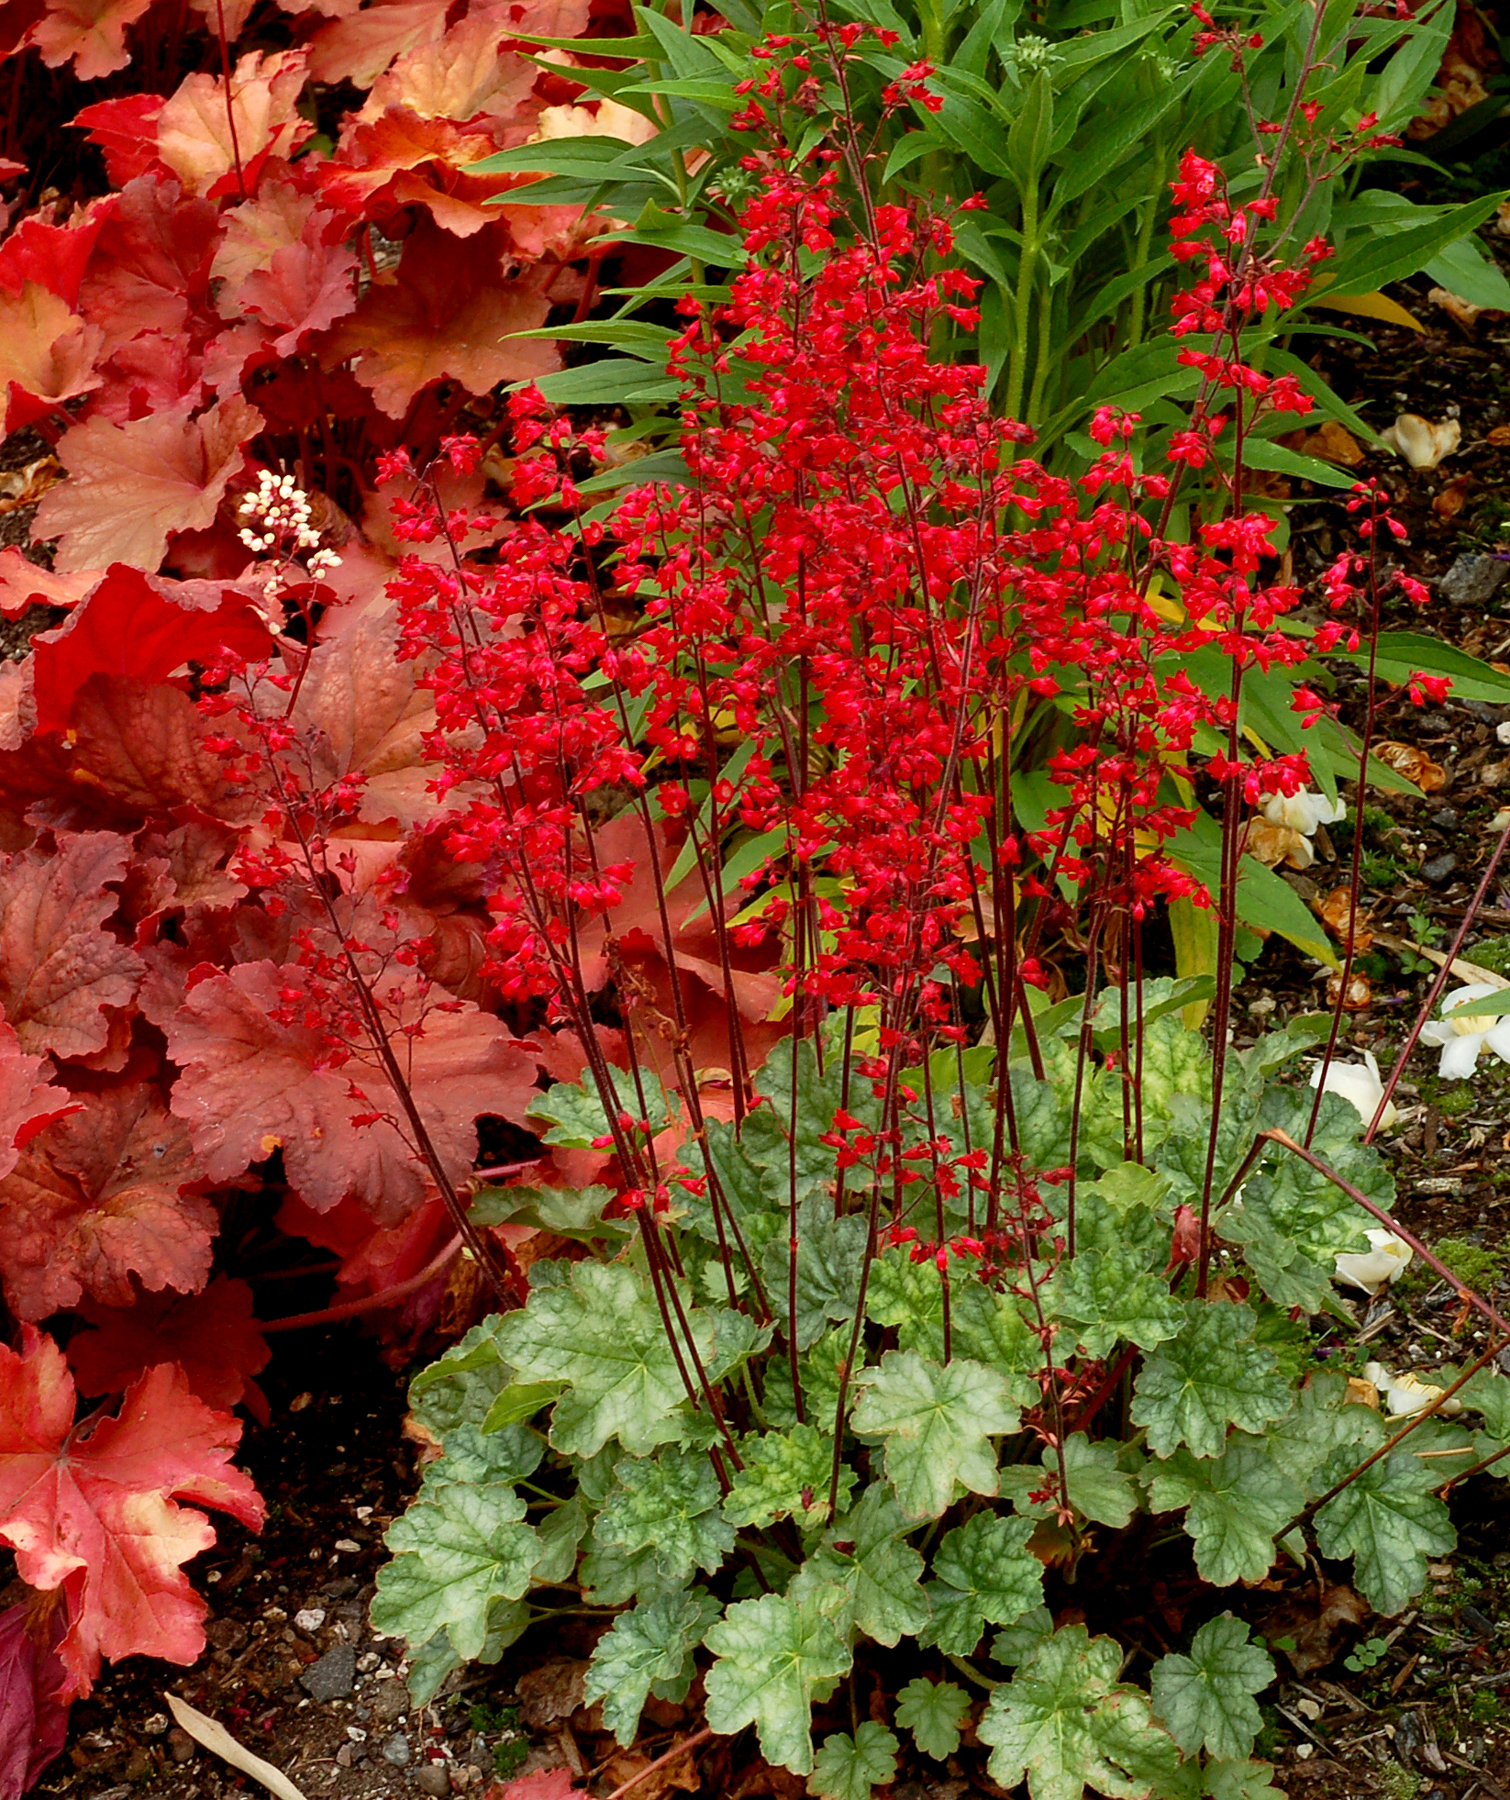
<point>397,1751</point>
<point>368,1661</point>
<point>433,1778</point>
<point>390,1701</point>
<point>343,1756</point>
<point>156,1725</point>
<point>333,1676</point>
<point>348,1545</point>
<point>310,1618</point>
<point>1474,580</point>
<point>226,1634</point>
<point>1446,819</point>
<point>342,1588</point>
<point>1439,868</point>
<point>180,1745</point>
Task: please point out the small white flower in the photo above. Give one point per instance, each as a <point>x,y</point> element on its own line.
<point>1462,1039</point>
<point>1385,1261</point>
<point>1405,1394</point>
<point>1302,812</point>
<point>1360,1083</point>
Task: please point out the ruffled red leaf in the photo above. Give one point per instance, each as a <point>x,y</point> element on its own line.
<point>135,626</point>
<point>33,1713</point>
<point>252,1085</point>
<point>212,1336</point>
<point>58,969</point>
<point>97,1513</point>
<point>28,1101</point>
<point>97,1198</point>
<point>92,32</point>
<point>132,486</point>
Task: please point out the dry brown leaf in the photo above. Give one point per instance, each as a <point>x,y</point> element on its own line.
<point>1359,993</point>
<point>1274,844</point>
<point>24,487</point>
<point>1452,499</point>
<point>680,1774</point>
<point>1361,1393</point>
<point>1314,1622</point>
<point>1415,765</point>
<point>216,1739</point>
<point>553,1691</point>
<point>1500,435</point>
<point>1335,912</point>
<point>1334,443</point>
<point>1464,311</point>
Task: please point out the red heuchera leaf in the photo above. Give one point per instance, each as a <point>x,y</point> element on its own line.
<point>251,1085</point>
<point>131,486</point>
<point>24,583</point>
<point>28,1102</point>
<point>97,1197</point>
<point>212,1336</point>
<point>444,314</point>
<point>358,49</point>
<point>539,1784</point>
<point>33,1714</point>
<point>126,132</point>
<point>193,131</point>
<point>58,969</point>
<point>54,256</point>
<point>92,32</point>
<point>462,76</point>
<point>47,354</point>
<point>131,624</point>
<point>96,1513</point>
<point>401,160</point>
<point>150,270</point>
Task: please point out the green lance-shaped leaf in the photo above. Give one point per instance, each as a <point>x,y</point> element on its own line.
<point>458,1553</point>
<point>1390,1522</point>
<point>984,1575</point>
<point>647,1650</point>
<point>773,1659</point>
<point>1065,1722</point>
<point>1110,1295</point>
<point>847,1768</point>
<point>935,1422</point>
<point>1236,1503</point>
<point>1209,1378</point>
<point>865,1576</point>
<point>669,1505</point>
<point>602,1334</point>
<point>1206,1698</point>
<point>933,1711</point>
<point>785,1475</point>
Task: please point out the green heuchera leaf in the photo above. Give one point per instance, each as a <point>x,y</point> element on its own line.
<point>1019,1643</point>
<point>460,1386</point>
<point>985,1325</point>
<point>575,1115</point>
<point>774,1658</point>
<point>1212,1376</point>
<point>784,1475</point>
<point>847,1768</point>
<point>1390,1522</point>
<point>1321,1423</point>
<point>1065,1722</point>
<point>1098,1488</point>
<point>1110,1295</point>
<point>1206,1698</point>
<point>829,1254</point>
<point>458,1553</point>
<point>648,1650</point>
<point>819,1371</point>
<point>864,1575</point>
<point>669,1505</point>
<point>933,1711</point>
<point>1240,1781</point>
<point>476,1457</point>
<point>1237,1502</point>
<point>432,1662</point>
<point>935,1422</point>
<point>602,1333</point>
<point>561,1531</point>
<point>984,1576</point>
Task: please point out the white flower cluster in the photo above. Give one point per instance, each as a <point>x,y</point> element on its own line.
<point>278,523</point>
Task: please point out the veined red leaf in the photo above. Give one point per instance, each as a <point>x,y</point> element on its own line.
<point>212,1336</point>
<point>97,1197</point>
<point>58,969</point>
<point>97,1512</point>
<point>33,1714</point>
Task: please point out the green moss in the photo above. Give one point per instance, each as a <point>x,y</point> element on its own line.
<point>1493,953</point>
<point>1471,1263</point>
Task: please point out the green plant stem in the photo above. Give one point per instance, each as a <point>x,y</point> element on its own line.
<point>971,1673</point>
<point>1143,246</point>
<point>1027,270</point>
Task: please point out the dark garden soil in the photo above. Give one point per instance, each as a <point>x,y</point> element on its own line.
<point>1413,1708</point>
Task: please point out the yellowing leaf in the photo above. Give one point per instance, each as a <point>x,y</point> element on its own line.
<point>1370,306</point>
